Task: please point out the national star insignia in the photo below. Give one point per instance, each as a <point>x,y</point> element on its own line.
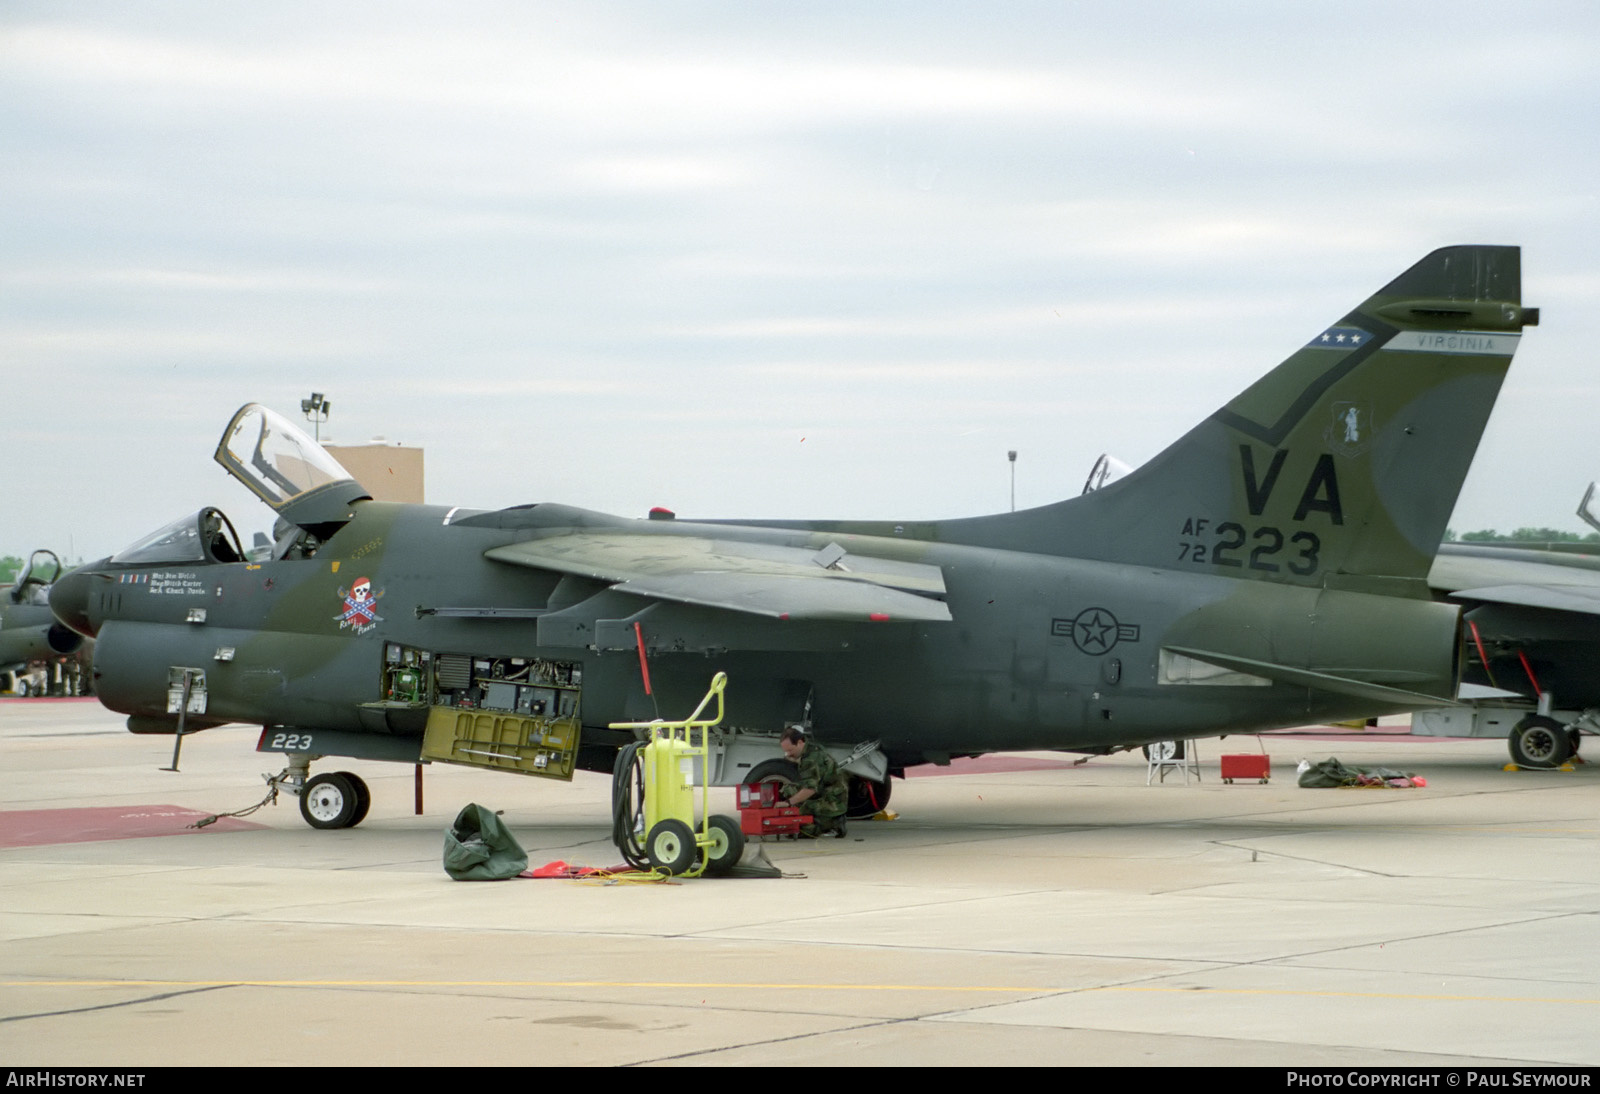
<point>1092,631</point>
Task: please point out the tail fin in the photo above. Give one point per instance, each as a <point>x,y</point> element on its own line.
<point>1339,467</point>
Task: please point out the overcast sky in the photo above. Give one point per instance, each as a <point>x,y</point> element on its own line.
<point>787,260</point>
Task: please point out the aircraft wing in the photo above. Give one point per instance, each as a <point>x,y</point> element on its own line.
<point>790,596</point>
<point>754,578</point>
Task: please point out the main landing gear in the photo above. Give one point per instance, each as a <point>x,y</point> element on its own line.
<point>1538,741</point>
<point>868,797</point>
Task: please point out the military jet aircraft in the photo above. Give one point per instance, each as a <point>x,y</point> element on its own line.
<point>29,633</point>
<point>1268,569</point>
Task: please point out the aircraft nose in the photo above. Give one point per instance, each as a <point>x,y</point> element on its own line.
<point>69,599</point>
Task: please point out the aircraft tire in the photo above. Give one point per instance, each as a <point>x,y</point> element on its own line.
<point>671,846</point>
<point>868,798</point>
<point>328,801</point>
<point>1537,741</point>
<point>1165,751</point>
<point>727,844</point>
<point>363,797</point>
<point>773,771</point>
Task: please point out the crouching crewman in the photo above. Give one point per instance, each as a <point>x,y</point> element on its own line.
<point>821,788</point>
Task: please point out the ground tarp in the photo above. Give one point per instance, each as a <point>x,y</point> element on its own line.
<point>1332,773</point>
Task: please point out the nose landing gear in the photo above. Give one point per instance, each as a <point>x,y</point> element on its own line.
<point>338,799</point>
<point>334,799</point>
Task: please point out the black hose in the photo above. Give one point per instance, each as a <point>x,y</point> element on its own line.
<point>627,804</point>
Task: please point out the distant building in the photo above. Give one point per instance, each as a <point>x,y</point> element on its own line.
<point>392,472</point>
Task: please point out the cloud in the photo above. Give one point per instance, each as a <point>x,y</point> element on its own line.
<point>1046,226</point>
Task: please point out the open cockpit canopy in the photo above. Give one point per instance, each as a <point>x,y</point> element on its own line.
<point>32,584</point>
<point>286,469</point>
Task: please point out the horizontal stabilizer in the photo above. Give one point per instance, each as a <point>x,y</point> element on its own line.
<point>1319,681</point>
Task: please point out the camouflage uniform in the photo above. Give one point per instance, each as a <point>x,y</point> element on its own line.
<point>820,773</point>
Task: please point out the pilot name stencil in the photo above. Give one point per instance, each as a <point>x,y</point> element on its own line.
<point>177,583</point>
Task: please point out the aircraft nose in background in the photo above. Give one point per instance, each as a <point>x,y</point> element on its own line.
<point>69,599</point>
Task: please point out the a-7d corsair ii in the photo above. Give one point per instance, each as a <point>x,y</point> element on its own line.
<point>1268,569</point>
<point>29,633</point>
<point>1532,619</point>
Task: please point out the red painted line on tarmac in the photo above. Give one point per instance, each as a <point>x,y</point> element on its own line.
<point>45,827</point>
<point>50,698</point>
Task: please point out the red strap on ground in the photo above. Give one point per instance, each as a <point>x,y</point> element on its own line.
<point>560,869</point>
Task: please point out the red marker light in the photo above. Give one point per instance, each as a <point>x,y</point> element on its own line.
<point>879,617</point>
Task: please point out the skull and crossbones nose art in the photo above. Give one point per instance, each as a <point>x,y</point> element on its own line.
<point>360,612</point>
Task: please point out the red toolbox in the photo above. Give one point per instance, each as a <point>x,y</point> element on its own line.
<point>761,815</point>
<point>1246,765</point>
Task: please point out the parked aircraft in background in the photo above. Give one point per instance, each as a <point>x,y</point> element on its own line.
<point>1532,620</point>
<point>32,643</point>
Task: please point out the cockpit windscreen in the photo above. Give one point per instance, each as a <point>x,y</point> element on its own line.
<point>206,536</point>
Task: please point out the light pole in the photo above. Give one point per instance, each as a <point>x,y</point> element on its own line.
<point>316,411</point>
<point>1012,456</point>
